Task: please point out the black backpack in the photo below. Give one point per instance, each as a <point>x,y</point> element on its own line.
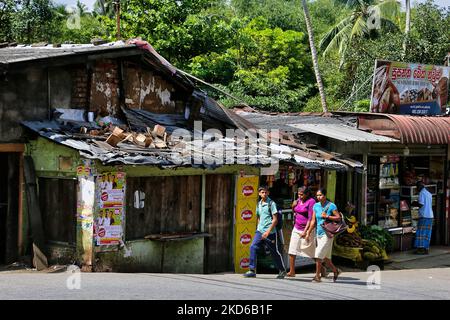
<point>279,225</point>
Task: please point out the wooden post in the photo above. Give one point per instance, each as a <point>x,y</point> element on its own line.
<point>363,215</point>
<point>20,223</point>
<point>34,214</point>
<point>203,204</point>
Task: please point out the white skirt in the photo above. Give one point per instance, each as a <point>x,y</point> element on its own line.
<point>300,246</point>
<point>324,247</point>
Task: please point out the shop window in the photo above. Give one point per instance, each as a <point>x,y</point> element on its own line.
<point>58,204</point>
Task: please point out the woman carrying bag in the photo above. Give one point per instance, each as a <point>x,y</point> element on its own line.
<point>302,238</point>
<point>323,210</point>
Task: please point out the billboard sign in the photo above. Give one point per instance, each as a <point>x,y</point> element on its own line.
<point>409,88</point>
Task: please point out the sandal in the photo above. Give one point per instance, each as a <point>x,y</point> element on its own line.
<point>316,279</point>
<point>336,274</point>
<point>290,275</point>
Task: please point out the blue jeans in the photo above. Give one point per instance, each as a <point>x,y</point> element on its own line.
<point>272,243</point>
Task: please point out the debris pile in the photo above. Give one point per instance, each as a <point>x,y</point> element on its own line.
<point>113,135</point>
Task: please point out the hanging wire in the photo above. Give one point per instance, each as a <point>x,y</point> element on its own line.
<point>354,92</point>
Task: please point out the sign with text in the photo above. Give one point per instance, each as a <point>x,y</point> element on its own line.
<point>108,226</point>
<point>409,88</point>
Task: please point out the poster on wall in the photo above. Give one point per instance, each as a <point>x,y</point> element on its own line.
<point>245,220</point>
<point>409,88</point>
<point>110,210</point>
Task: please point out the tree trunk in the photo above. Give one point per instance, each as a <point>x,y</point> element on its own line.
<point>407,25</point>
<point>314,56</point>
<point>408,16</point>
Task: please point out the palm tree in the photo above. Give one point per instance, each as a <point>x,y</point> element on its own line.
<point>314,56</point>
<point>82,8</point>
<point>105,7</point>
<point>366,19</point>
<point>407,24</point>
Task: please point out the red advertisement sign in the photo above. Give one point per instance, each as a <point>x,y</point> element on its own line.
<point>246,238</point>
<point>409,88</point>
<point>244,263</point>
<point>247,191</point>
<point>246,215</point>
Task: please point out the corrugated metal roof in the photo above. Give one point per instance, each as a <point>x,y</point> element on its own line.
<point>283,121</point>
<point>408,129</point>
<point>14,56</point>
<point>213,153</point>
<point>342,132</point>
<point>22,53</point>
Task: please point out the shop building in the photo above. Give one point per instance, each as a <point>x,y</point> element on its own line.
<point>396,151</point>
<point>161,212</point>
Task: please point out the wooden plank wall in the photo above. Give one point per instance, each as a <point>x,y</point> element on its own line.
<point>218,222</point>
<point>12,220</point>
<point>172,204</point>
<point>58,203</point>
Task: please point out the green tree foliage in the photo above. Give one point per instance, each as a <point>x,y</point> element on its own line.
<point>365,21</point>
<point>163,23</point>
<point>104,8</point>
<point>429,41</point>
<point>32,20</point>
<point>256,50</point>
<point>7,10</point>
<point>279,14</point>
<point>269,67</point>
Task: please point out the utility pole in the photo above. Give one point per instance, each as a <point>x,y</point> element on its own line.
<point>117,9</point>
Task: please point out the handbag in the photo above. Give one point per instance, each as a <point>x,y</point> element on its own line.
<point>333,228</point>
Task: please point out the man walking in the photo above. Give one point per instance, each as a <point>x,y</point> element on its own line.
<point>266,234</point>
<point>425,224</point>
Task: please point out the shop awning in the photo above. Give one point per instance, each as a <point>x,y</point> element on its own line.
<point>408,129</point>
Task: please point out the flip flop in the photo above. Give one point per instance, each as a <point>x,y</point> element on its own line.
<point>316,279</point>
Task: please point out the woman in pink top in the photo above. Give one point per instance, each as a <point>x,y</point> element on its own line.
<point>302,242</point>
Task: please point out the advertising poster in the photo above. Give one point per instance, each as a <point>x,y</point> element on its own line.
<point>110,209</point>
<point>85,211</point>
<point>246,212</point>
<point>409,88</point>
<point>245,220</point>
<point>247,188</point>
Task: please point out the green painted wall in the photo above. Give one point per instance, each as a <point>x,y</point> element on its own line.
<point>184,256</point>
<point>49,158</point>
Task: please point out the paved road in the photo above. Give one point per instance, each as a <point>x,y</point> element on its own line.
<point>421,284</point>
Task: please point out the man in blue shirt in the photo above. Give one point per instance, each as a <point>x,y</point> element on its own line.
<point>425,224</point>
<point>266,234</point>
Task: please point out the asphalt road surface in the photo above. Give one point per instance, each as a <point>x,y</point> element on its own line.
<point>417,284</point>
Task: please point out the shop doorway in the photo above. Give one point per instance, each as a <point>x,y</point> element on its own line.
<point>218,222</point>
<point>9,206</point>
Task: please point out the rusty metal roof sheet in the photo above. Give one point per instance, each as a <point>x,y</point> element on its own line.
<point>408,129</point>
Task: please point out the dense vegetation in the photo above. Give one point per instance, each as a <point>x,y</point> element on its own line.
<point>257,50</point>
